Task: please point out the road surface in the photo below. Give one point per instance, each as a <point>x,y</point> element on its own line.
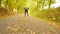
<point>20,24</point>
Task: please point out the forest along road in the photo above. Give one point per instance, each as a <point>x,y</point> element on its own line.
<point>20,24</point>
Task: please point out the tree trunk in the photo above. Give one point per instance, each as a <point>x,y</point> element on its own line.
<point>6,5</point>
<point>0,3</point>
<point>50,3</point>
<point>18,9</point>
<point>37,4</point>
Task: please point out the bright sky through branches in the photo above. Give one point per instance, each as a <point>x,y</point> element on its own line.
<point>55,5</point>
<point>57,1</point>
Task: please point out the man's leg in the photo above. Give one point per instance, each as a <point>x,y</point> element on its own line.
<point>27,13</point>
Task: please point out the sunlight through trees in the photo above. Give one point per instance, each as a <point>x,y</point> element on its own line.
<point>36,7</point>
